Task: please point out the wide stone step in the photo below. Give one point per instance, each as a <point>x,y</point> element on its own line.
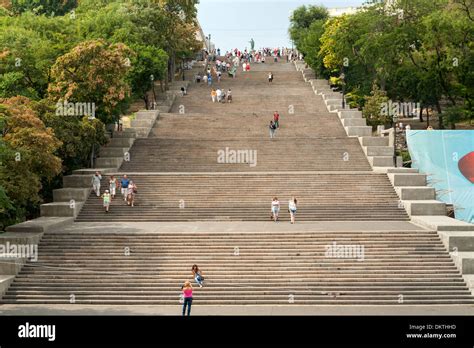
<point>61,209</point>
<point>112,162</point>
<point>68,194</point>
<point>407,179</point>
<point>354,122</point>
<point>121,142</point>
<point>379,150</point>
<point>113,151</point>
<point>358,131</point>
<point>78,181</point>
<point>411,193</point>
<point>374,141</point>
<point>167,155</point>
<point>217,291</point>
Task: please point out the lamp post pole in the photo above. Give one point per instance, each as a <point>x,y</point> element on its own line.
<point>343,78</point>
<point>394,121</point>
<point>152,79</point>
<point>184,57</point>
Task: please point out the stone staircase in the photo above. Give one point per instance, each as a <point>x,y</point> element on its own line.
<point>311,140</point>
<point>194,155</point>
<point>316,156</point>
<point>247,197</point>
<point>69,200</point>
<point>415,195</point>
<point>240,268</point>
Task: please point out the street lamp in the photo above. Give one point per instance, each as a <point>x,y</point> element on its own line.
<point>394,125</point>
<point>209,48</point>
<point>343,77</point>
<point>152,79</point>
<point>184,57</point>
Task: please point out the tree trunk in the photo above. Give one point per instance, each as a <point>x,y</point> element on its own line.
<point>145,99</point>
<point>171,67</point>
<point>382,83</point>
<point>154,96</point>
<point>421,114</point>
<point>440,115</point>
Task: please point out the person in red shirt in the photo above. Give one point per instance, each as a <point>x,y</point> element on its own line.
<point>276,119</point>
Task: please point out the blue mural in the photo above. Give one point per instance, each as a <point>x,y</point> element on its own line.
<point>447,157</point>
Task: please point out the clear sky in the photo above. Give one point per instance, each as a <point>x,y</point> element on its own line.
<point>232,23</point>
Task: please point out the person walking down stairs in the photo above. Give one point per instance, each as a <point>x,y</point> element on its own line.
<point>276,119</point>
<point>124,182</point>
<point>106,200</point>
<point>292,208</point>
<point>112,186</point>
<point>132,191</point>
<point>219,95</point>
<point>272,129</point>
<point>198,275</point>
<point>96,183</point>
<point>275,208</point>
<point>187,289</point>
<point>270,77</point>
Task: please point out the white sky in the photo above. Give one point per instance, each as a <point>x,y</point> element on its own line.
<point>232,23</point>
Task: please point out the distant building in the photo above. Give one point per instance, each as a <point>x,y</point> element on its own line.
<point>207,45</point>
<point>335,12</point>
<point>201,37</point>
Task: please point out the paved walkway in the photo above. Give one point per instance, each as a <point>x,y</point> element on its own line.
<point>207,310</point>
<point>241,227</point>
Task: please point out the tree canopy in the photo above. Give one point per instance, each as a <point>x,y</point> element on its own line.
<point>54,53</point>
<point>412,50</point>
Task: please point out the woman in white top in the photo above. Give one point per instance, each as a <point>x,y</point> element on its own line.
<point>292,208</point>
<point>275,208</point>
<point>132,190</point>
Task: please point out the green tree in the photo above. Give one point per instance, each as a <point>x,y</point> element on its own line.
<point>376,108</point>
<point>306,29</point>
<point>149,64</point>
<point>302,19</point>
<point>49,7</point>
<point>93,72</point>
<point>28,156</point>
<point>26,59</point>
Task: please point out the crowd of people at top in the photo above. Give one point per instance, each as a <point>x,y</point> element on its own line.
<point>236,57</point>
<point>216,65</point>
<point>260,56</point>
